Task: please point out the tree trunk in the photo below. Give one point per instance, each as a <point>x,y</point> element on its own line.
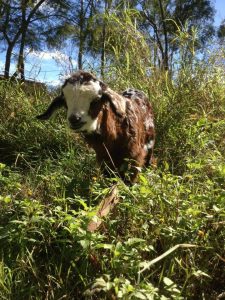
<point>11,43</point>
<point>81,36</point>
<point>165,57</point>
<point>24,26</point>
<point>20,64</point>
<point>80,54</point>
<point>103,51</point>
<point>157,40</point>
<point>8,60</point>
<point>108,5</point>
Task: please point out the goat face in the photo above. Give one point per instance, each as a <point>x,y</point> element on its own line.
<point>78,92</point>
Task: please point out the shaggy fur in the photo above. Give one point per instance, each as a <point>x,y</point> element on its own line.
<point>119,127</point>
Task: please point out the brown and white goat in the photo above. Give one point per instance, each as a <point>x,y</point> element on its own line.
<point>119,127</point>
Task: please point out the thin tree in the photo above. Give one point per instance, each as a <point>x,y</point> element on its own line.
<point>36,24</point>
<point>12,31</point>
<point>162,19</point>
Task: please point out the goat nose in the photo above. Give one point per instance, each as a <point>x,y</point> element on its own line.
<point>74,118</point>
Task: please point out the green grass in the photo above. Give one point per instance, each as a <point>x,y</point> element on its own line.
<point>50,186</point>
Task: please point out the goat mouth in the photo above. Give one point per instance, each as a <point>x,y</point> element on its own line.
<point>77,126</point>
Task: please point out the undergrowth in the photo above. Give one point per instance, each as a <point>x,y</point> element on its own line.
<point>164,240</point>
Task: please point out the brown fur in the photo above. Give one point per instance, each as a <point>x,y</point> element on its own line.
<point>124,138</point>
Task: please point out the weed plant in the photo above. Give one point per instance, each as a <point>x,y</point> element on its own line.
<point>164,240</point>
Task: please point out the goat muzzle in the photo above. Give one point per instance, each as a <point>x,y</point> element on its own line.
<point>75,121</point>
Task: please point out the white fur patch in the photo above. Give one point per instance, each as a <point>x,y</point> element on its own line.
<point>118,100</point>
<point>149,123</point>
<point>78,99</point>
<point>149,145</point>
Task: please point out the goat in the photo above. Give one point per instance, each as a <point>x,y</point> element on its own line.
<point>119,127</point>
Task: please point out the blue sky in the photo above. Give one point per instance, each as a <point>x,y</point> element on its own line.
<point>220,11</point>
<point>50,66</point>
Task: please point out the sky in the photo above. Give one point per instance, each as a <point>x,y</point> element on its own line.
<point>51,67</point>
<point>220,11</point>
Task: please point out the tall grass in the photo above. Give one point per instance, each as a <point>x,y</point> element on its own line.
<point>165,239</point>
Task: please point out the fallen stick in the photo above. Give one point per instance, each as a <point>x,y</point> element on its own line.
<point>105,206</point>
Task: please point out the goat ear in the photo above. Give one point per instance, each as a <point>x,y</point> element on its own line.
<point>117,102</point>
<point>57,103</point>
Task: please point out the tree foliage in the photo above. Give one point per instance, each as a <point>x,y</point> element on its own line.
<point>26,23</point>
<point>163,20</point>
<point>221,31</point>
<point>89,26</point>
